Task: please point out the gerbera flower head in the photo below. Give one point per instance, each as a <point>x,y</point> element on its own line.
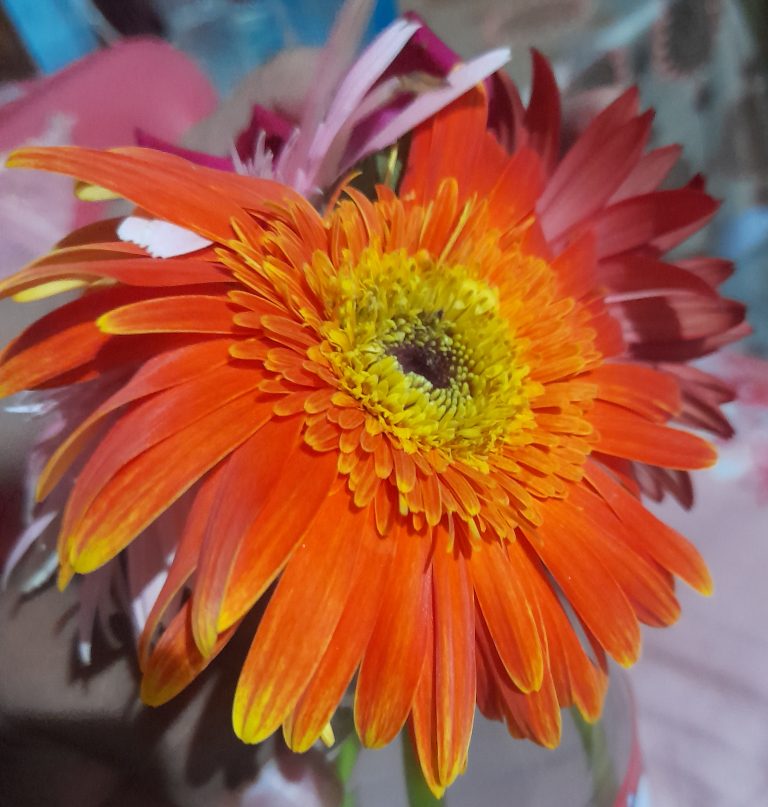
<point>422,415</point>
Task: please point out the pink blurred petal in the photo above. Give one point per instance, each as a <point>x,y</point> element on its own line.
<point>142,83</point>
<point>335,59</point>
<point>461,79</point>
<point>326,149</point>
<point>426,51</point>
<point>36,209</point>
<point>147,140</point>
<point>276,128</point>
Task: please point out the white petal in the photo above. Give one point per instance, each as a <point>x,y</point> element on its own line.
<point>160,238</point>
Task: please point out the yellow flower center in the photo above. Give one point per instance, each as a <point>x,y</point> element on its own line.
<point>425,350</point>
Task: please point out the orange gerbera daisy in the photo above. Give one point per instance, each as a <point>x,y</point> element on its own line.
<point>411,412</point>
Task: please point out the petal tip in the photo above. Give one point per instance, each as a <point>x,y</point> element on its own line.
<point>66,573</point>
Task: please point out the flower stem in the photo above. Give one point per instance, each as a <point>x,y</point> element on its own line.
<point>599,760</point>
<point>419,795</point>
<point>345,765</point>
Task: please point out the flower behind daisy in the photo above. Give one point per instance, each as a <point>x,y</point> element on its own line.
<point>425,416</point>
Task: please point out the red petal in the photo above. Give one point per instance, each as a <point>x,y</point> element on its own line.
<point>596,176</point>
<point>676,317</point>
<point>635,276</point>
<point>542,118</point>
<point>713,271</point>
<point>583,151</point>
<point>639,221</point>
<point>649,172</point>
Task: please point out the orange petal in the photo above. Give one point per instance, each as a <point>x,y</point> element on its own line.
<point>65,339</point>
<point>176,662</point>
<point>131,271</point>
<point>577,679</point>
<point>157,374</point>
<point>576,267</point>
<point>249,192</point>
<point>516,190</point>
<point>239,500</point>
<point>144,488</point>
<point>184,560</point>
<point>529,715</point>
<point>423,722</point>
<point>449,145</point>
<point>299,621</point>
<point>394,658</point>
<point>183,314</point>
<point>454,660</point>
<point>650,591</point>
<point>509,612</point>
<point>294,501</point>
<point>172,190</point>
<point>331,679</point>
<point>153,420</point>
<point>650,535</point>
<point>648,392</point>
<point>625,434</point>
<point>565,543</point>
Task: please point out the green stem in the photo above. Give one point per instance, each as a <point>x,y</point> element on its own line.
<point>419,795</point>
<point>345,765</point>
<point>595,744</point>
